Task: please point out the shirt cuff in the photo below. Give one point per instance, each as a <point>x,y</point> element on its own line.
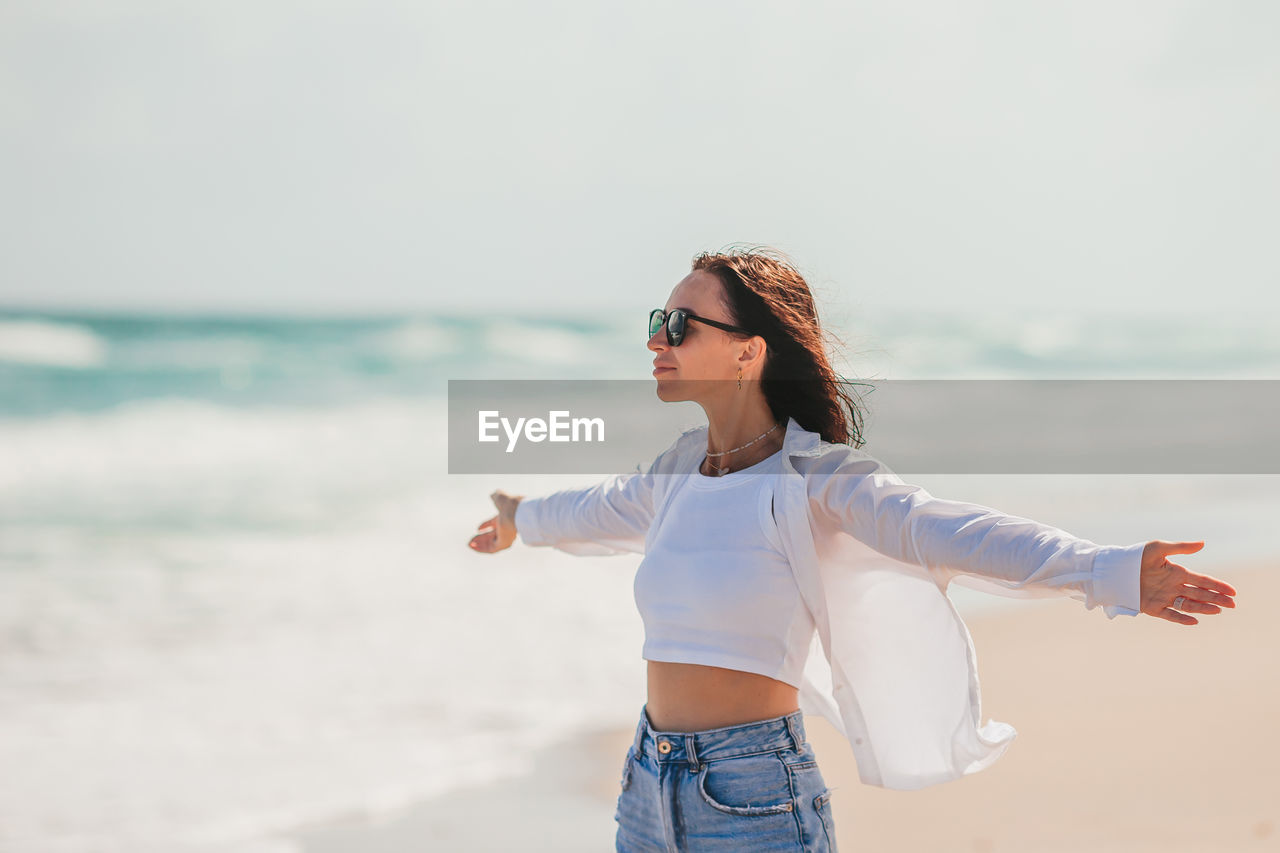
<point>1117,579</point>
<point>526,518</point>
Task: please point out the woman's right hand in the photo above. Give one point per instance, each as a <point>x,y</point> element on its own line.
<point>498,533</point>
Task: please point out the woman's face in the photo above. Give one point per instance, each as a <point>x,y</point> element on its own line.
<point>706,353</point>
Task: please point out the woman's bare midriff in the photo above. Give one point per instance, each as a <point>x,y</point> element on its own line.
<point>690,697</point>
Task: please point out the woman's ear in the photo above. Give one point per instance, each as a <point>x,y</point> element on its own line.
<point>756,349</point>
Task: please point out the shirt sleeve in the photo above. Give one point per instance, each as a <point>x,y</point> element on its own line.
<point>905,522</point>
<point>611,517</point>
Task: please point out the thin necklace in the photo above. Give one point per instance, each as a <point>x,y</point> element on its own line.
<point>721,471</point>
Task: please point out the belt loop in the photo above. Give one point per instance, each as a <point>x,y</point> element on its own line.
<point>640,727</point>
<point>693,753</point>
<point>790,720</point>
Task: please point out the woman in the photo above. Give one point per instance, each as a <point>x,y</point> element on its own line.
<point>787,572</point>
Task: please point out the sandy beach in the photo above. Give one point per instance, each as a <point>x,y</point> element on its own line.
<point>1134,734</point>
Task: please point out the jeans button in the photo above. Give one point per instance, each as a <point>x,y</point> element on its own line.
<point>664,747</point>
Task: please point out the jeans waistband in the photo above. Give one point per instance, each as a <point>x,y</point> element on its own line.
<point>775,733</point>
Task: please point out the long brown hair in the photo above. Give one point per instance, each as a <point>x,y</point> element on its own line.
<point>767,295</point>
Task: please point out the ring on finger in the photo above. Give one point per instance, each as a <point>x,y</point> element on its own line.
<point>1179,602</point>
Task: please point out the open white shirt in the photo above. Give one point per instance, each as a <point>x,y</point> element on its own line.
<point>895,671</point>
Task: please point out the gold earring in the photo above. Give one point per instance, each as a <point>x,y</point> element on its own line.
<point>739,378</point>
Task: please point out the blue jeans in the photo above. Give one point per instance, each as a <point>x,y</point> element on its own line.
<point>754,786</point>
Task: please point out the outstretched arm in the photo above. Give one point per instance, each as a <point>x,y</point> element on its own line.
<point>903,521</point>
<point>611,517</point>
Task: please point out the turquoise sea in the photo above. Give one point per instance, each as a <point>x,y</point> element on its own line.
<point>235,592</point>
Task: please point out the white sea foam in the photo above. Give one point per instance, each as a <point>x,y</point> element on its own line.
<point>420,339</point>
<point>41,342</point>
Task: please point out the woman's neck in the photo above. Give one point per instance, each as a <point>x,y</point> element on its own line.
<point>751,427</point>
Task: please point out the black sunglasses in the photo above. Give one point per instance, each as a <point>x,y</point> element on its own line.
<point>675,323</point>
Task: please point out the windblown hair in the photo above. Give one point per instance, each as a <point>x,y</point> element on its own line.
<point>765,294</point>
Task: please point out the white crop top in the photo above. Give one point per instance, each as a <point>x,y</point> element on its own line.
<point>715,587</point>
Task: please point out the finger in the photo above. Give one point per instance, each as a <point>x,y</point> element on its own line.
<point>487,524</point>
<point>1207,588</point>
<point>1179,547</point>
<point>1174,616</point>
<point>1208,595</point>
<point>1191,605</point>
<point>1206,582</point>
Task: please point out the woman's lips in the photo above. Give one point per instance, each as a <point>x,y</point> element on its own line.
<point>658,370</point>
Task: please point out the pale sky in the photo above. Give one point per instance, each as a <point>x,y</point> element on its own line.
<point>375,156</point>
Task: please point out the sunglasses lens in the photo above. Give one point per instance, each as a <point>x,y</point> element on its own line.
<point>655,321</point>
<point>675,327</point>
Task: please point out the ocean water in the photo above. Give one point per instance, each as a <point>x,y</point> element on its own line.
<point>235,592</point>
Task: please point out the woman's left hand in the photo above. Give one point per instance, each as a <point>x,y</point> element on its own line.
<point>1163,583</point>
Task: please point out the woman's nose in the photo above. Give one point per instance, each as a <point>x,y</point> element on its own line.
<point>658,340</point>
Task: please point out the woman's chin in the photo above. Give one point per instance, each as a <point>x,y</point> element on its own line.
<point>670,390</point>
